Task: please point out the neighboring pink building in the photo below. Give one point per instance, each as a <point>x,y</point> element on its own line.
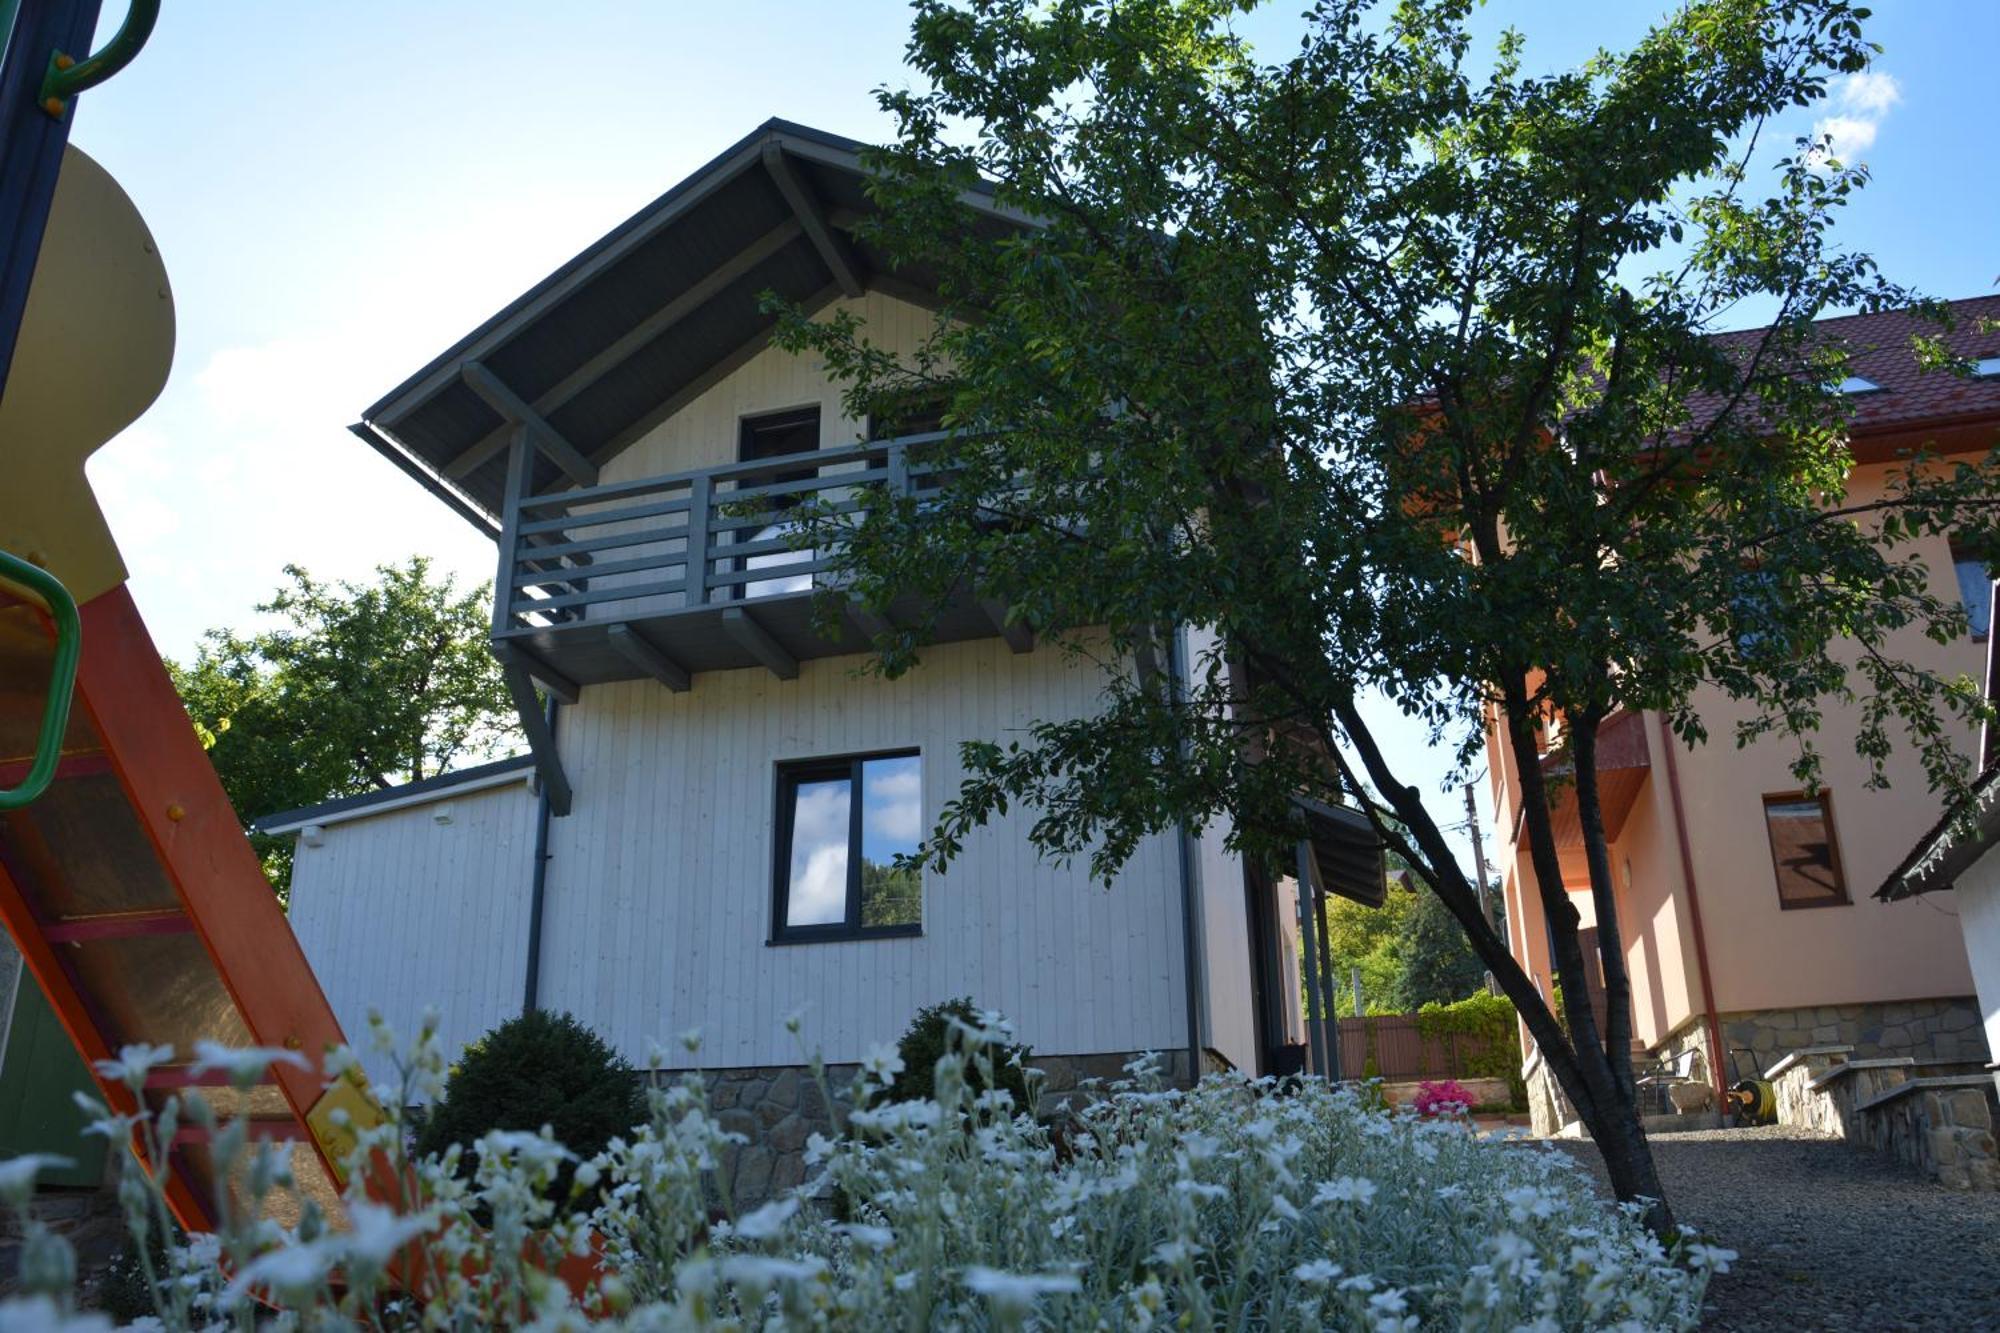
<point>1744,903</point>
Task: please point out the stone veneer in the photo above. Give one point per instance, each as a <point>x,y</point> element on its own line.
<point>1946,1031</point>
<point>777,1108</point>
<point>1937,1116</point>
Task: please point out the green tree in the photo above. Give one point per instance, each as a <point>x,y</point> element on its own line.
<point>1400,378</point>
<point>1368,938</point>
<point>358,687</point>
<point>1435,961</point>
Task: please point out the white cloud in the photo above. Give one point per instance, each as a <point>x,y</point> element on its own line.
<point>1863,100</point>
<point>819,855</point>
<point>1845,136</point>
<point>894,808</point>
<point>1869,93</point>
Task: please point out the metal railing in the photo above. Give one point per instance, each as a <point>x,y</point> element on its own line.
<point>657,545</point>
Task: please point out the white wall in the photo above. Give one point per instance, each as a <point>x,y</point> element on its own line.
<point>659,886</point>
<point>399,912</point>
<point>1979,917</point>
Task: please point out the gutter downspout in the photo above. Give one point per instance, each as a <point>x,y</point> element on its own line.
<point>532,984</point>
<point>1190,881</point>
<point>1715,1072</point>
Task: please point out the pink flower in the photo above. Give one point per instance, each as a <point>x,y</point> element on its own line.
<point>1446,1098</point>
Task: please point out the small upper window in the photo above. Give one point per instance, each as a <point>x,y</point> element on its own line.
<point>1975,588</point>
<point>1803,853</point>
<point>1854,384</point>
<point>1987,367</point>
<point>842,824</point>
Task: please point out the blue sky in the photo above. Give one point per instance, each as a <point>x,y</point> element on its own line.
<point>340,190</point>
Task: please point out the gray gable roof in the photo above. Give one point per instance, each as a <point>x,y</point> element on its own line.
<point>649,316</point>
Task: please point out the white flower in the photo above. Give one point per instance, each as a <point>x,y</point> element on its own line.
<point>767,1221</point>
<point>1711,1257</point>
<point>1346,1189</point>
<point>1172,1252</point>
<point>375,1233</point>
<point>882,1063</point>
<point>875,1238</point>
<point>245,1064</point>
<point>17,1174</point>
<point>134,1063</point>
<point>764,1270</point>
<point>1317,1271</point>
<point>1018,1292</point>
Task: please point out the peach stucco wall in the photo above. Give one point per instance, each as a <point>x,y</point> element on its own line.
<point>1760,955</point>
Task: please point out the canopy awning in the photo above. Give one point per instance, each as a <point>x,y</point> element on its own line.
<point>1346,852</point>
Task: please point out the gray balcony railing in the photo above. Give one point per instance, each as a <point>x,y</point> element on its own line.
<point>686,542</point>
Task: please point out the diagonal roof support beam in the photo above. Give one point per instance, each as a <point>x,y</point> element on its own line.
<point>541,741</point>
<point>638,337</point>
<point>833,247</point>
<point>545,437</point>
<point>754,639</point>
<point>634,648</point>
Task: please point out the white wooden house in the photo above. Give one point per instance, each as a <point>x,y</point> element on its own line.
<point>699,839</point>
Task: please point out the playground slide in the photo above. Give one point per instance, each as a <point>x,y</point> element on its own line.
<point>126,881</point>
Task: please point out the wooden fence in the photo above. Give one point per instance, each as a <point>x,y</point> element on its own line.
<point>1402,1053</point>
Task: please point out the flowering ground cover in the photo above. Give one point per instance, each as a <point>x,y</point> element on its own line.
<point>1236,1204</point>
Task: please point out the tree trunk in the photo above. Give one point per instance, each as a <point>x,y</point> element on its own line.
<point>1611,1114</point>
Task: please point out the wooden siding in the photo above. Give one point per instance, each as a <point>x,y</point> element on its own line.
<point>399,912</point>
<point>1229,1025</point>
<point>659,883</point>
<point>703,434</point>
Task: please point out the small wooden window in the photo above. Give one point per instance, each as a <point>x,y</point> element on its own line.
<point>842,825</point>
<point>1804,853</point>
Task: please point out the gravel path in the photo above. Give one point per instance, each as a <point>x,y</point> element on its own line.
<point>1829,1236</point>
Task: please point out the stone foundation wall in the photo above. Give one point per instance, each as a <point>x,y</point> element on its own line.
<point>1942,1126</point>
<point>1548,1109</point>
<point>778,1108</point>
<point>1947,1030</point>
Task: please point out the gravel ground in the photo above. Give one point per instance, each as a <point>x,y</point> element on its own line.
<point>1829,1236</point>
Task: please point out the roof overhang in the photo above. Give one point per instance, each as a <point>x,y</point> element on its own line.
<point>500,773</point>
<point>1966,833</point>
<point>647,318</point>
<point>1347,854</point>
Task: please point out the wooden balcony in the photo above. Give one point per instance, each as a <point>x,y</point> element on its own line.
<point>1624,759</point>
<point>671,576</point>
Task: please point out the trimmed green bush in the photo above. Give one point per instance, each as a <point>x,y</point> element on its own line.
<point>925,1040</point>
<point>1494,1050</point>
<point>539,1069</point>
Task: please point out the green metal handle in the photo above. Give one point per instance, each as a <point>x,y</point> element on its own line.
<point>55,713</point>
<point>67,76</point>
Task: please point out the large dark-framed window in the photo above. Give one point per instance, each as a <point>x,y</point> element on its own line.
<point>1805,856</point>
<point>842,822</point>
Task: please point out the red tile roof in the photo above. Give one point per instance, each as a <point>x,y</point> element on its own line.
<point>1879,351</point>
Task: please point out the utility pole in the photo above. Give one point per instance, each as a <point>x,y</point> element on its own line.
<point>1478,851</point>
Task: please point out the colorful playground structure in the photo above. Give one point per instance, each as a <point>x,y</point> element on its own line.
<point>125,879</point>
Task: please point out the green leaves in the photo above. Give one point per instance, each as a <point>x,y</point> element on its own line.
<point>355,688</point>
<point>1351,359</point>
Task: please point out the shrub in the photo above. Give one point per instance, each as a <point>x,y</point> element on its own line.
<point>536,1070</point>
<point>931,1034</point>
<point>1493,1048</point>
<point>1235,1204</point>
